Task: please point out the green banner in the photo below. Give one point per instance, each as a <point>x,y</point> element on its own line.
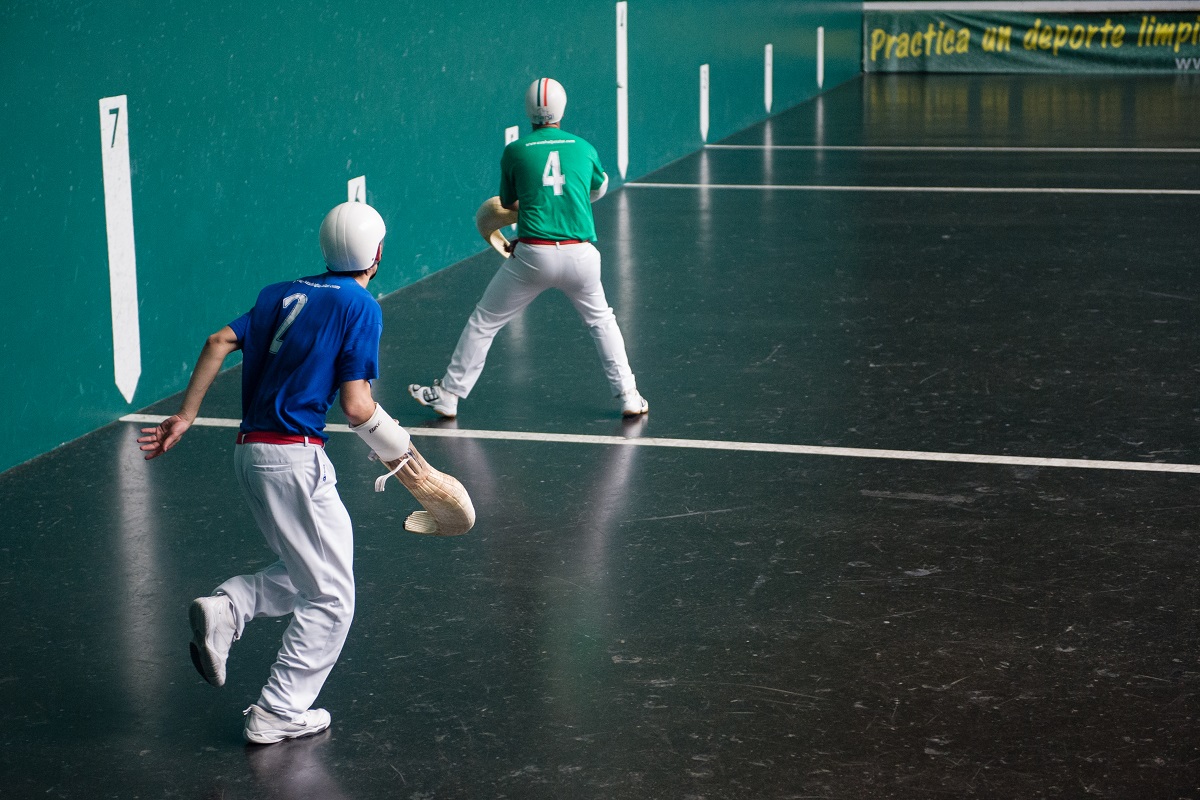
<point>957,41</point>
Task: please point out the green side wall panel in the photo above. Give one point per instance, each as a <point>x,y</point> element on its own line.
<point>246,121</point>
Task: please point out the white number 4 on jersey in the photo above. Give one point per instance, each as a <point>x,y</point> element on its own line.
<point>552,175</point>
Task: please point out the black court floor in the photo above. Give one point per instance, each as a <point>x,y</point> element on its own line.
<point>907,271</point>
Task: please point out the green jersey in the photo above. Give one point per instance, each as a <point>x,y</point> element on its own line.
<point>552,173</point>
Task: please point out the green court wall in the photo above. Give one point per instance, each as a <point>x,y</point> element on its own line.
<point>246,120</point>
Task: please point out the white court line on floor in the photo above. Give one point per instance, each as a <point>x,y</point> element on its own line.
<point>764,187</point>
<point>902,148</point>
<point>744,447</point>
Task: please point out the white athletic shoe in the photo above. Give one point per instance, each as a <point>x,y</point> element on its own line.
<point>441,400</point>
<point>632,403</point>
<point>213,633</point>
<point>263,727</point>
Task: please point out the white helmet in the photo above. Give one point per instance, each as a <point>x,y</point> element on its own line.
<point>351,236</point>
<point>545,101</point>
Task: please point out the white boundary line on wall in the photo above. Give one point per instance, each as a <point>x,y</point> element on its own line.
<point>1034,7</point>
<point>927,189</point>
<point>743,447</point>
<point>902,148</point>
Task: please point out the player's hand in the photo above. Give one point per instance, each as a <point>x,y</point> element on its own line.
<point>512,245</point>
<point>164,436</point>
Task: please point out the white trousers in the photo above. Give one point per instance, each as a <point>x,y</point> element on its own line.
<point>292,494</point>
<point>573,269</point>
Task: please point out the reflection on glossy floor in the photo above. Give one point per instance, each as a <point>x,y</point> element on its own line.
<point>638,622</point>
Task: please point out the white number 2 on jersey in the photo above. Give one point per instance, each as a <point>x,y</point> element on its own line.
<point>296,301</point>
<point>552,175</point>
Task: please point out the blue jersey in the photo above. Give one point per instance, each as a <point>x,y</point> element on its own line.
<point>300,342</point>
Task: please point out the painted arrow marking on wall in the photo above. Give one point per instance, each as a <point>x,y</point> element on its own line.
<point>622,87</point>
<point>768,76</point>
<point>122,260</point>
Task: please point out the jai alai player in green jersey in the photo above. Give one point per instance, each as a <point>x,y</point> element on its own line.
<point>533,172</point>
<point>550,178</point>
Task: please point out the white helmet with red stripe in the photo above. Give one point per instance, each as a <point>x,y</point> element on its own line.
<point>352,237</point>
<point>545,101</point>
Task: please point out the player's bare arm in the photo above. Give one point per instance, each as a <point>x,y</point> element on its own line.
<point>162,437</point>
<point>358,404</point>
<point>599,191</point>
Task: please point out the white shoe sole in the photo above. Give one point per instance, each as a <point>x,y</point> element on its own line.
<point>275,736</point>
<point>202,655</point>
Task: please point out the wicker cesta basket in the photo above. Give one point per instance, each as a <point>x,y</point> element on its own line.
<point>448,510</point>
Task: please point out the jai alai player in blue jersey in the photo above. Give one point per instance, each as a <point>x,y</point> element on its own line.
<point>305,343</point>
